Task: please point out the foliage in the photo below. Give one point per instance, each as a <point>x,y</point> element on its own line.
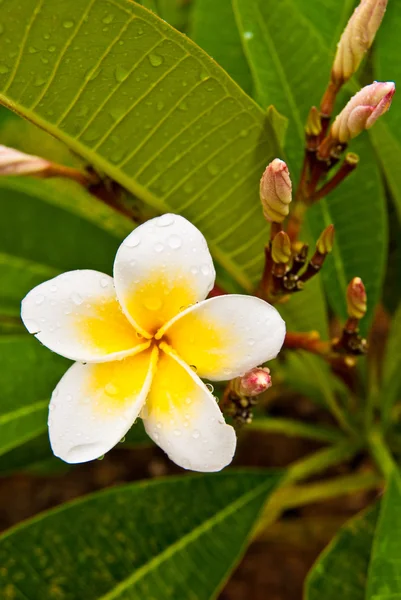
<point>178,106</point>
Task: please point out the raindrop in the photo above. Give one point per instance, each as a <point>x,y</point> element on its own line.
<point>94,74</point>
<point>121,73</point>
<point>194,270</point>
<point>159,247</point>
<point>39,81</point>
<point>188,188</point>
<point>32,50</point>
<point>4,69</point>
<point>194,367</point>
<point>248,35</point>
<point>111,389</point>
<point>177,432</point>
<point>101,457</point>
<point>53,288</point>
<point>243,133</point>
<point>196,433</point>
<point>165,220</point>
<point>68,24</point>
<point>77,299</point>
<point>159,425</point>
<point>132,241</point>
<point>160,105</point>
<point>39,299</point>
<point>183,106</point>
<point>251,342</point>
<point>108,19</point>
<point>52,48</point>
<point>46,36</point>
<point>122,440</point>
<point>210,387</point>
<point>155,60</point>
<point>175,242</point>
<point>68,398</point>
<point>213,169</point>
<point>156,435</point>
<point>152,303</point>
<point>205,269</point>
<point>104,282</point>
<point>188,400</point>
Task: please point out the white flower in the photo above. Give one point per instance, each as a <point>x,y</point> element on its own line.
<point>142,341</point>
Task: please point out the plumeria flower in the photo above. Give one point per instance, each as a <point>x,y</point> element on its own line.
<point>142,342</point>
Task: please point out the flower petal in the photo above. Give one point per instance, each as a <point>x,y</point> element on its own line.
<point>161,267</point>
<point>224,337</point>
<point>77,315</point>
<point>94,405</point>
<point>184,419</point>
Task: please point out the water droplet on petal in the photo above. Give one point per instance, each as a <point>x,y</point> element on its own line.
<point>159,247</point>
<point>39,299</point>
<point>159,425</point>
<point>196,434</point>
<point>104,282</point>
<point>194,367</point>
<point>194,270</point>
<point>205,269</point>
<point>210,387</point>
<point>53,288</point>
<point>177,432</point>
<point>251,342</point>
<point>77,299</point>
<point>111,389</point>
<point>165,220</point>
<point>152,303</point>
<point>175,242</point>
<point>132,241</point>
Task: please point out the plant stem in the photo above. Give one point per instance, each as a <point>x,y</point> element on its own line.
<point>347,167</point>
<point>293,428</point>
<point>381,453</point>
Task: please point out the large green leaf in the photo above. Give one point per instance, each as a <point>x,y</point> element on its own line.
<point>145,105</point>
<point>363,561</point>
<point>289,52</point>
<point>213,27</point>
<point>391,386</point>
<point>174,538</point>
<point>341,570</point>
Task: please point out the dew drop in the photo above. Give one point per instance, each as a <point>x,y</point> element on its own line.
<point>160,105</point>
<point>177,432</point>
<point>194,270</point>
<point>32,50</point>
<point>155,60</point>
<point>213,169</point>
<point>104,282</point>
<point>251,342</point>
<point>111,389</point>
<point>108,19</point>
<point>39,299</point>
<point>159,247</point>
<point>165,220</point>
<point>39,81</point>
<point>122,440</point>
<point>159,425</point>
<point>205,269</point>
<point>53,288</point>
<point>152,303</point>
<point>4,69</point>
<point>94,74</point>
<point>68,24</point>
<point>210,387</point>
<point>121,73</point>
<point>248,35</point>
<point>68,398</point>
<point>52,48</point>
<point>183,106</point>
<point>188,400</point>
<point>243,133</point>
<point>156,435</point>
<point>101,457</point>
<point>196,434</point>
<point>175,242</point>
<point>77,299</point>
<point>132,241</point>
<point>194,367</point>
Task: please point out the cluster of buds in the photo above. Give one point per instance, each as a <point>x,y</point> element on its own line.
<point>284,259</point>
<point>242,394</point>
<point>350,341</point>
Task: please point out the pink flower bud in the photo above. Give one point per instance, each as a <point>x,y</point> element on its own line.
<point>357,38</point>
<point>255,382</point>
<point>356,298</point>
<point>13,162</point>
<point>276,191</point>
<point>363,110</point>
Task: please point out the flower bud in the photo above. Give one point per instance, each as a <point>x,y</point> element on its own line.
<point>255,382</point>
<point>313,125</point>
<point>363,110</point>
<point>276,191</point>
<point>356,299</point>
<point>13,162</point>
<point>324,245</point>
<point>357,38</point>
<point>281,248</point>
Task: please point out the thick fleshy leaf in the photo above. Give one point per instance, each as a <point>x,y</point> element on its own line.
<point>94,405</point>
<point>165,536</point>
<point>77,315</point>
<point>183,417</point>
<point>290,61</point>
<point>226,336</point>
<point>150,109</point>
<point>160,268</point>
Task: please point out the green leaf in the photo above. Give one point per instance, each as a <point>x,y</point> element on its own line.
<point>289,53</point>
<point>146,540</point>
<point>391,385</point>
<point>363,561</point>
<point>341,570</point>
<point>149,108</point>
<point>384,582</point>
<point>213,27</point>
<point>29,373</point>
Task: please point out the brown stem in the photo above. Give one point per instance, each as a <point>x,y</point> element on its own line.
<point>309,341</point>
<point>329,98</point>
<point>314,266</point>
<point>348,166</point>
<point>84,178</point>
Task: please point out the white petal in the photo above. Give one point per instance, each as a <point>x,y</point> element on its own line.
<point>224,337</point>
<point>77,315</point>
<point>160,268</point>
<point>183,418</point>
<point>94,405</point>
